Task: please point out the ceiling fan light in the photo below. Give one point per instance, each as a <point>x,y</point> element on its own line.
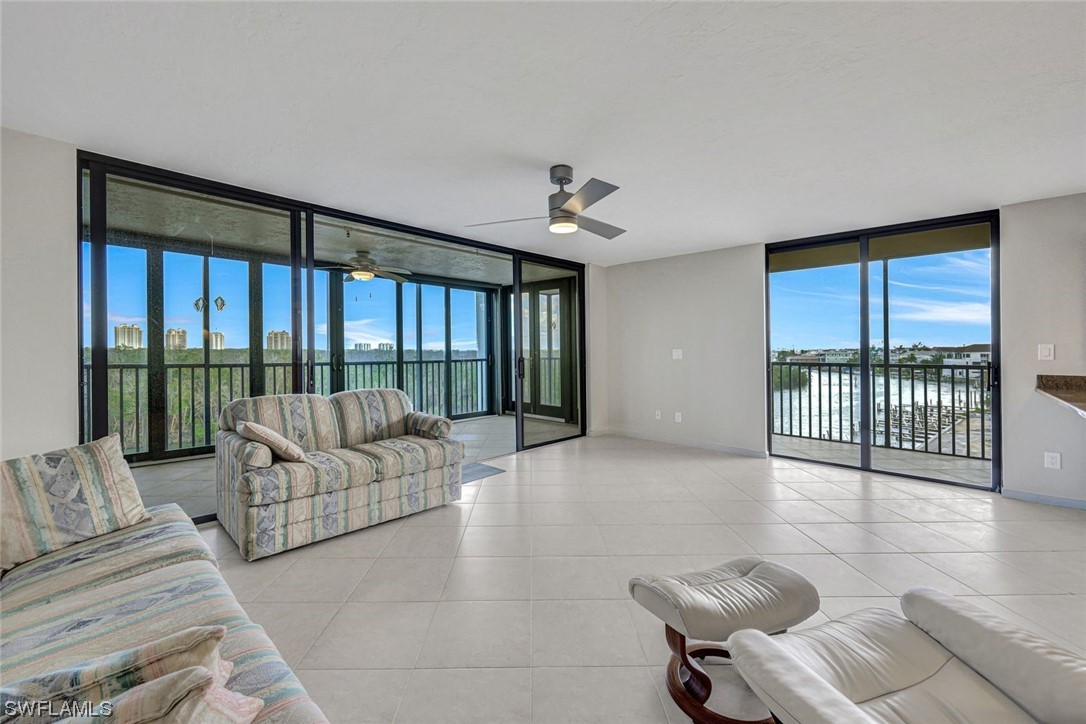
<point>362,276</point>
<point>563,224</point>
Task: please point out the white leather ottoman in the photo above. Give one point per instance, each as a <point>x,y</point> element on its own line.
<point>711,605</point>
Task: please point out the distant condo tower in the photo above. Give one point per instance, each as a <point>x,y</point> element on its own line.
<point>176,338</point>
<point>386,346</point>
<point>218,340</point>
<point>279,340</point>
<point>362,346</point>
<point>127,336</point>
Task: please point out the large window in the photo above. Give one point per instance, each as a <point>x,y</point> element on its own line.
<point>883,350</point>
<point>195,294</point>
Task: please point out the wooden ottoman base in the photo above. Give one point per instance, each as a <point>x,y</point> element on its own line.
<point>690,686</point>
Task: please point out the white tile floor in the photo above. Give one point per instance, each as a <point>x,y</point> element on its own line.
<point>511,605</point>
<point>189,483</point>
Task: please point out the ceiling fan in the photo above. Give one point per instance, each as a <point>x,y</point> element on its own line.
<point>361,267</point>
<point>565,207</point>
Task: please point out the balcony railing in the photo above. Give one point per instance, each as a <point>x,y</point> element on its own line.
<point>196,393</point>
<point>941,409</point>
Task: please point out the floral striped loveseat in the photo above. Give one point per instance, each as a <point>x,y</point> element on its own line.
<point>368,458</point>
<point>130,588</point>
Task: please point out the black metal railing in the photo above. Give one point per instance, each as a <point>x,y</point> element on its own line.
<point>934,408</point>
<point>469,386</point>
<point>196,393</point>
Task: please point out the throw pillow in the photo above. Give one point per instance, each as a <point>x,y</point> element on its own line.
<point>107,676</point>
<point>58,498</point>
<point>279,445</point>
<point>189,695</point>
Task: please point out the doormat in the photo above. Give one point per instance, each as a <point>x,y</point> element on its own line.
<point>478,471</point>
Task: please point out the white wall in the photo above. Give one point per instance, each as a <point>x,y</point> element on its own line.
<point>596,356</point>
<point>712,306</point>
<point>1043,295</point>
<point>39,409</point>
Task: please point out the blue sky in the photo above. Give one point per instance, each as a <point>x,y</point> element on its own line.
<point>940,300</point>
<point>369,307</point>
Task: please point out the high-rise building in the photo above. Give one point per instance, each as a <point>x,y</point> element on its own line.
<point>386,346</point>
<point>279,340</point>
<point>127,336</point>
<point>362,346</point>
<point>217,340</point>
<point>176,338</point>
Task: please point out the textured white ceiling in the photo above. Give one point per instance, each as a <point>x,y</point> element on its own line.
<point>724,123</point>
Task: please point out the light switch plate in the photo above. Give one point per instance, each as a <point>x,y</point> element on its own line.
<point>676,354</point>
<point>678,417</point>
<point>1046,351</point>
<point>1053,460</point>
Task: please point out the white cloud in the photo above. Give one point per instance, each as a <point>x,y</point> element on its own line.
<point>928,310</point>
<point>934,288</point>
<point>123,319</point>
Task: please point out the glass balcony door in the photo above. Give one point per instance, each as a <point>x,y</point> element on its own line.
<point>547,366</point>
<point>816,369</point>
<point>931,354</point>
<point>884,348</point>
<point>189,303</point>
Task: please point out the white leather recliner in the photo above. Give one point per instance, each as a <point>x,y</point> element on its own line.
<point>947,662</point>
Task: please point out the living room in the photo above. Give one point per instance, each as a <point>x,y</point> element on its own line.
<point>322,281</point>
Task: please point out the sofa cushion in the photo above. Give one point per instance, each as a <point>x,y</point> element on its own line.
<point>189,695</point>
<point>166,537</point>
<point>58,498</point>
<point>139,610</point>
<point>369,415</point>
<point>432,426</point>
<point>323,471</point>
<point>306,420</point>
<point>103,678</point>
<point>278,444</point>
<point>411,454</point>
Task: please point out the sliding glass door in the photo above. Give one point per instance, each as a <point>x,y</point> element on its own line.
<point>931,353</point>
<point>883,350</point>
<point>189,303</point>
<point>816,370</point>
<point>548,360</point>
<point>196,293</point>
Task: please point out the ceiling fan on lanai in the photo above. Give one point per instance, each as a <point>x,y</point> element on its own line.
<point>361,268</point>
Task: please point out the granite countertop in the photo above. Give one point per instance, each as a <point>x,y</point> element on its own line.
<point>1068,390</point>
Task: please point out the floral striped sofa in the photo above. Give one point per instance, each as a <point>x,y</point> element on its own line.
<point>130,588</point>
<point>368,458</point>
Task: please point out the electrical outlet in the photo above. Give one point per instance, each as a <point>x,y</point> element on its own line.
<point>678,417</point>
<point>657,414</point>
<point>676,354</point>
<point>1046,352</point>
<point>1053,460</point>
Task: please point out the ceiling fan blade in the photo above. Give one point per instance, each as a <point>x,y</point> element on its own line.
<point>599,228</point>
<point>508,221</point>
<point>590,193</point>
<point>347,278</point>
<point>388,275</point>
<point>394,270</point>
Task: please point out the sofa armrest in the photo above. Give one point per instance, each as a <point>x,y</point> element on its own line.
<point>431,426</point>
<point>247,453</point>
<point>787,686</point>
